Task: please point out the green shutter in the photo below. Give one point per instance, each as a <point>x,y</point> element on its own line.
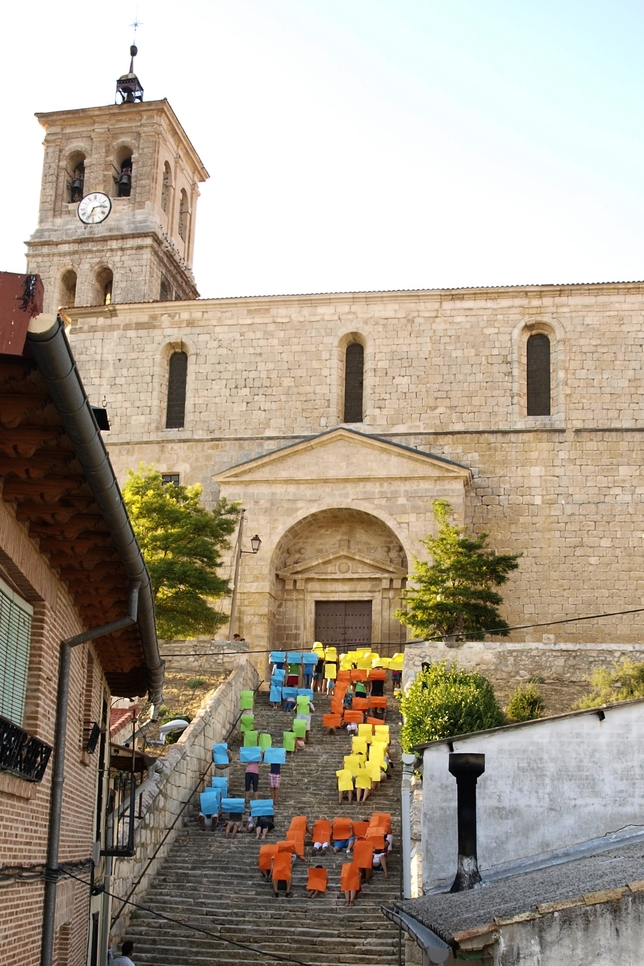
<point>15,641</point>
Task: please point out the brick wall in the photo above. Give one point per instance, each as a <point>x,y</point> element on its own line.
<point>24,806</point>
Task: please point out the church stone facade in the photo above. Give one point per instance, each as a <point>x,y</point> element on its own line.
<point>445,415</point>
<point>337,419</point>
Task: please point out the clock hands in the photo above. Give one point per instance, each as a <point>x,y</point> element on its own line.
<point>94,208</point>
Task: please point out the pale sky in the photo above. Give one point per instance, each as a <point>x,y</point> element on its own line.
<point>363,144</point>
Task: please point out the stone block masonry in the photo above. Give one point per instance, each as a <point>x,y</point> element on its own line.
<point>568,667</point>
<point>444,374</point>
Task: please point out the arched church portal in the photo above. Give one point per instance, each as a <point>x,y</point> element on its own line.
<point>337,576</point>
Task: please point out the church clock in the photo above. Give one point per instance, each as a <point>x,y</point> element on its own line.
<point>94,208</point>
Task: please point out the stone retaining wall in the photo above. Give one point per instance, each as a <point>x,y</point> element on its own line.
<point>508,664</point>
<point>177,775</point>
<point>203,655</point>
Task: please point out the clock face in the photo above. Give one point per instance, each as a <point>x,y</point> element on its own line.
<point>94,208</point>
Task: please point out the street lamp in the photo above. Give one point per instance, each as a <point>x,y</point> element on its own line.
<point>255,543</point>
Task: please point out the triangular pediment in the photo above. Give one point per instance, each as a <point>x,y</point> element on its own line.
<point>342,563</point>
<point>344,454</point>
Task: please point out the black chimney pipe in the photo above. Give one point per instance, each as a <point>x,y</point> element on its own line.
<point>466,769</point>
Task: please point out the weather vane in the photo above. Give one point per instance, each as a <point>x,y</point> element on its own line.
<point>137,23</point>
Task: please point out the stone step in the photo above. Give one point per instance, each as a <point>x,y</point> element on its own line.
<point>211,883</point>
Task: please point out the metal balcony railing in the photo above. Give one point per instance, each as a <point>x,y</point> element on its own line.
<point>21,754</point>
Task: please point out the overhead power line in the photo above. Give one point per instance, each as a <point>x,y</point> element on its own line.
<point>187,925</point>
<point>426,640</point>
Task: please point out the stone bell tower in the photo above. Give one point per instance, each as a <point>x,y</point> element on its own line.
<point>118,202</point>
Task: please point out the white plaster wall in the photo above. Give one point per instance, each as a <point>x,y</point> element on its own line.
<point>547,785</point>
<point>604,934</point>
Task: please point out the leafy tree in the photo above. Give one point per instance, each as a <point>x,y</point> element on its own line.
<point>446,701</point>
<point>181,543</point>
<point>525,703</point>
<point>623,683</point>
<point>453,597</point>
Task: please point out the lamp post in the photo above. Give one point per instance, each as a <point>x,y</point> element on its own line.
<point>255,543</point>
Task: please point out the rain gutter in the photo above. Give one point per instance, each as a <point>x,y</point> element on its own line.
<point>432,945</point>
<point>48,343</point>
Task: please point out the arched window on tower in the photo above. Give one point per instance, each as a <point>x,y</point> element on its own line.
<point>67,298</point>
<point>353,382</point>
<point>183,215</point>
<point>104,283</point>
<point>124,182</point>
<point>538,375</point>
<point>76,183</point>
<point>177,375</point>
<point>165,188</point>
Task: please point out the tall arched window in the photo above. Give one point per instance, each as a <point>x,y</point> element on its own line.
<point>68,289</point>
<point>177,374</point>
<point>165,188</point>
<point>538,374</point>
<point>183,216</point>
<point>353,382</point>
<point>104,283</point>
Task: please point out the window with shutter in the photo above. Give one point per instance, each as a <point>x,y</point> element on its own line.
<point>15,642</point>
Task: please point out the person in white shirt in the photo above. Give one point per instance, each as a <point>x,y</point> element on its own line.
<point>124,958</point>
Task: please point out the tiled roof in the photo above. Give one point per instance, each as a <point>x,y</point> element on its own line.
<point>583,881</point>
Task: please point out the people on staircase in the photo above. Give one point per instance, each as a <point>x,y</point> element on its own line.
<point>317,881</point>
<point>207,823</point>
<point>251,780</point>
<point>282,874</point>
<point>350,882</point>
<point>305,707</point>
<point>321,835</point>
<point>275,777</point>
<point>318,674</point>
<point>380,861</point>
<point>342,834</point>
<point>293,676</point>
<point>233,824</point>
<point>265,824</point>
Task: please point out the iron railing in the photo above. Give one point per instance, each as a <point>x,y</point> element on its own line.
<point>22,754</point>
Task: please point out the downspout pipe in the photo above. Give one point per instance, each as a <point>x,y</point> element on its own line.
<point>408,762</point>
<point>48,343</point>
<point>52,871</point>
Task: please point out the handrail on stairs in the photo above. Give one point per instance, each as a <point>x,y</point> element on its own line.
<point>184,805</point>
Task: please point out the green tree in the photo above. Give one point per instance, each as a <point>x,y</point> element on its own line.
<point>181,543</point>
<point>453,596</point>
<point>623,682</point>
<point>446,701</point>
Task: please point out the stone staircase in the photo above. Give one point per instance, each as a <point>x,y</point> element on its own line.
<point>213,884</point>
